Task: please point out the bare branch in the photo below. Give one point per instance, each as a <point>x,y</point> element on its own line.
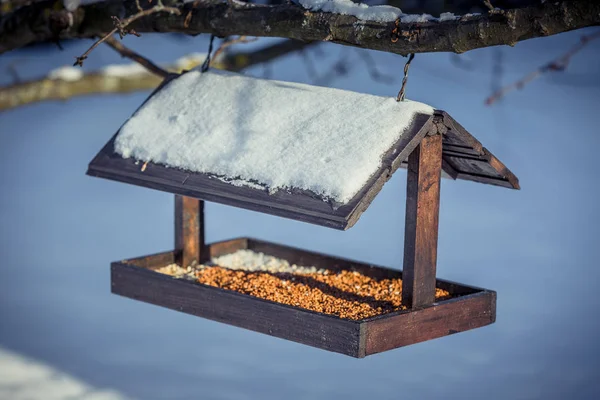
<point>488,4</point>
<point>372,69</point>
<point>559,64</point>
<point>40,22</point>
<point>132,55</point>
<point>100,82</point>
<point>122,27</point>
<point>230,42</point>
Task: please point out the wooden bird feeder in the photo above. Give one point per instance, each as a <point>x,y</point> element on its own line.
<point>432,146</point>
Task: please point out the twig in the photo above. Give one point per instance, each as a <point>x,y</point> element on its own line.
<point>310,66</point>
<point>121,27</point>
<point>226,43</point>
<point>488,4</point>
<point>372,68</point>
<point>95,83</point>
<point>132,55</point>
<point>12,70</point>
<point>559,64</point>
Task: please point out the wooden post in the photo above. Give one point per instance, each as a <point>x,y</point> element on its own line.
<point>421,229</point>
<point>189,230</point>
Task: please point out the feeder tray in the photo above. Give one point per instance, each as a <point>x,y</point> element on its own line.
<point>431,144</point>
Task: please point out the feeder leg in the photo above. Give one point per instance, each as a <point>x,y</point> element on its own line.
<point>421,230</point>
<point>189,230</point>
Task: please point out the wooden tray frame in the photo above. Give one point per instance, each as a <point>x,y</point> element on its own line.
<point>469,308</point>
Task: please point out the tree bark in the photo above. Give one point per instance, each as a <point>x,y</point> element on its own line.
<point>40,22</point>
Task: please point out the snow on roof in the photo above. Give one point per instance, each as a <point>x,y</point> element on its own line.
<point>278,135</point>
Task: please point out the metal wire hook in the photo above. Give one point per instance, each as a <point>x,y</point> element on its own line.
<point>206,63</point>
<point>401,93</point>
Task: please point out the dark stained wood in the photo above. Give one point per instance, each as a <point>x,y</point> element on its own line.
<point>471,161</point>
<point>226,247</point>
<point>501,168</point>
<point>189,230</point>
<point>444,318</point>
<point>486,180</point>
<point>448,170</point>
<point>154,261</point>
<point>421,229</point>
<point>473,166</point>
<point>135,278</point>
<point>304,205</point>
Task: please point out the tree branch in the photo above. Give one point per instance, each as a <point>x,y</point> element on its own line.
<point>53,87</point>
<point>132,55</point>
<point>39,22</point>
<point>559,64</point>
<point>122,27</point>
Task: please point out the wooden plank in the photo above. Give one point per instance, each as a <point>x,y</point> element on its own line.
<point>486,180</point>
<point>501,168</point>
<point>354,338</point>
<point>489,171</point>
<point>421,229</point>
<point>227,247</point>
<point>472,166</point>
<point>280,320</point>
<point>443,318</point>
<point>314,259</point>
<point>202,186</point>
<point>153,261</point>
<point>448,171</point>
<point>189,230</point>
<point>459,149</point>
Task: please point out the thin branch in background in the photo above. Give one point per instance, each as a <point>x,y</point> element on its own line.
<point>462,61</point>
<point>372,69</point>
<point>229,42</point>
<point>12,71</point>
<point>489,5</point>
<point>72,82</point>
<point>309,65</point>
<point>340,68</point>
<point>267,70</point>
<point>497,69</point>
<point>559,64</point>
<point>121,28</point>
<point>132,55</point>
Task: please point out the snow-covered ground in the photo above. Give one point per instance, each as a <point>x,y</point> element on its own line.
<point>25,379</point>
<point>538,247</point>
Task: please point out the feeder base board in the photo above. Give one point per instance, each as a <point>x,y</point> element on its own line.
<point>468,309</point>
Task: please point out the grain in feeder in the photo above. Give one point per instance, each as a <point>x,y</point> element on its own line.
<point>312,154</point>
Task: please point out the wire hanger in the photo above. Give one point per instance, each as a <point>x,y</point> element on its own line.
<point>401,93</point>
<point>206,63</point>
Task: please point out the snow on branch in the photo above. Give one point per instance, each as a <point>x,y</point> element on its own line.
<point>385,29</point>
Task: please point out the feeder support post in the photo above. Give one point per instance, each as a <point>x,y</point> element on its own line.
<point>189,230</point>
<point>422,216</point>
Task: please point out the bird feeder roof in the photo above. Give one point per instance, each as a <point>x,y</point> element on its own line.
<point>304,152</point>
